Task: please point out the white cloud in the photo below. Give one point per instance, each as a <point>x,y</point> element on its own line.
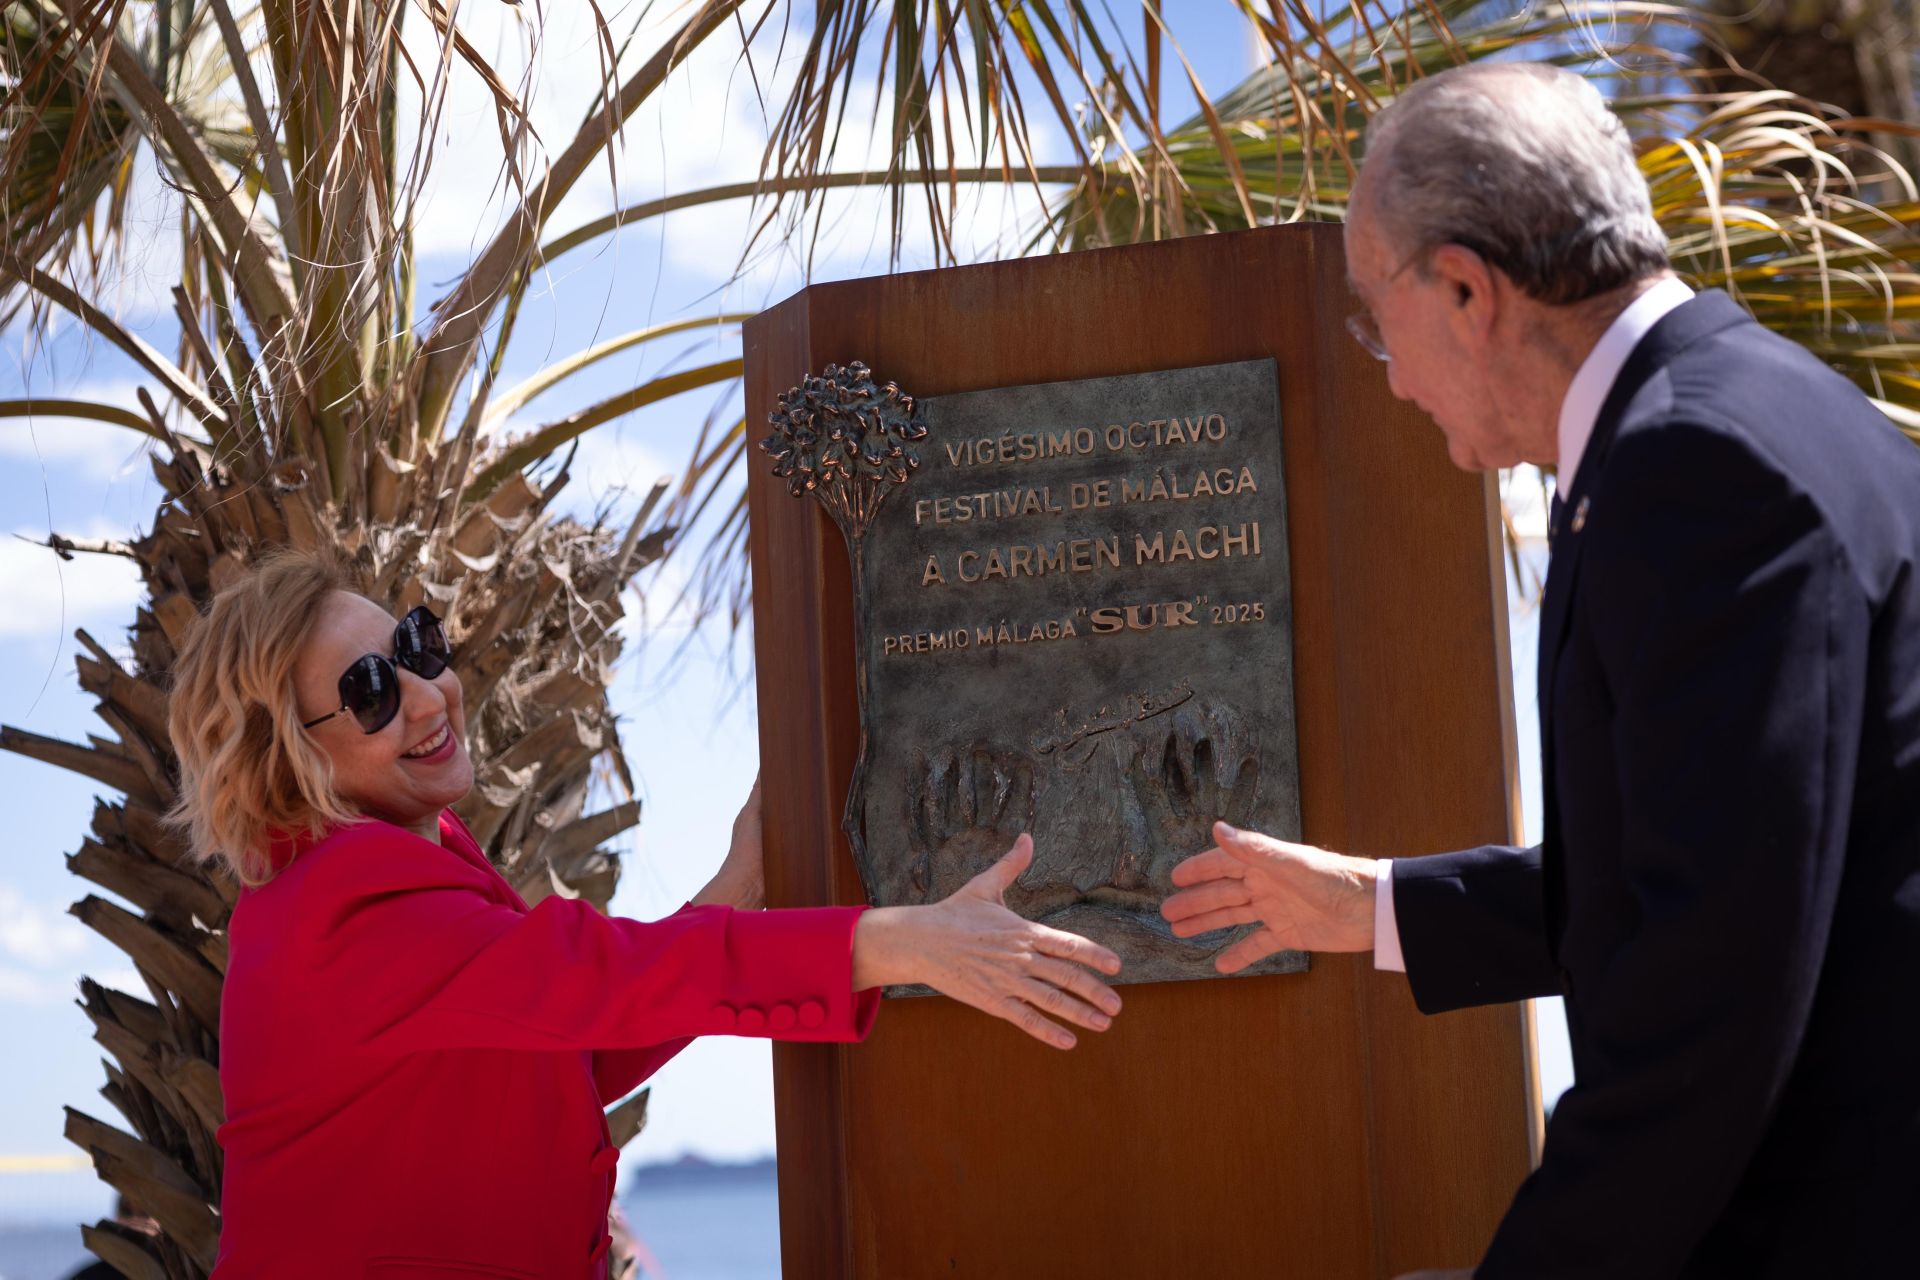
<point>19,987</point>
<point>125,978</point>
<point>41,935</point>
<point>695,146</point>
<point>706,126</point>
<point>48,597</point>
<point>135,288</point>
<point>616,466</point>
<point>24,987</point>
<point>94,449</point>
<point>551,61</point>
<point>44,951</point>
<point>611,457</point>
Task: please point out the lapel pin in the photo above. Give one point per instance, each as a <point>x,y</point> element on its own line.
<point>1580,514</point>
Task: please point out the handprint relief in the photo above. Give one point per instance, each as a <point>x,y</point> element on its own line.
<point>1115,793</point>
<point>965,808</point>
<point>1133,787</point>
<point>1202,765</point>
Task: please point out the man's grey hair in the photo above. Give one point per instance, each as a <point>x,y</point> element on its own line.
<point>1525,165</point>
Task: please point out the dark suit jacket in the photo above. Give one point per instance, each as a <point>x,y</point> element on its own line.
<point>1728,893</point>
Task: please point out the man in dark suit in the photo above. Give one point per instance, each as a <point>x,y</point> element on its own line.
<point>1728,890</point>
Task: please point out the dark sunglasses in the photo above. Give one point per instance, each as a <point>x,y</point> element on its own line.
<point>370,688</point>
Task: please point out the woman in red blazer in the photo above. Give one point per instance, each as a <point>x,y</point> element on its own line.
<point>416,1065</point>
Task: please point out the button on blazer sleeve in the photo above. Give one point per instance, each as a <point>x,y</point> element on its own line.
<point>1732,637</point>
<point>401,945</point>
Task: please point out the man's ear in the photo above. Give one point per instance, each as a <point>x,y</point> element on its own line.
<point>1469,282</point>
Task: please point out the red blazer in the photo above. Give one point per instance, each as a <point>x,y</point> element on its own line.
<point>416,1065</point>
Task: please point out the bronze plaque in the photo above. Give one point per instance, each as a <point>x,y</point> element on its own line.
<point>1076,622</point>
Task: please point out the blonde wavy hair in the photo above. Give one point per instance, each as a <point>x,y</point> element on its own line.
<point>249,774</point>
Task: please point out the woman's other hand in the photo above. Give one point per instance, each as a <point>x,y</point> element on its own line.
<point>742,879</point>
<point>972,948</point>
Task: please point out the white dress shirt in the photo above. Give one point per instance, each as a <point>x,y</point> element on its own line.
<point>1579,411</point>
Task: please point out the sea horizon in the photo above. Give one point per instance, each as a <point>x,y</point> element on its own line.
<point>696,1217</point>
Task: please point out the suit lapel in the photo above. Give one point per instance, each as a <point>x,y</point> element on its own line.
<point>1705,314</point>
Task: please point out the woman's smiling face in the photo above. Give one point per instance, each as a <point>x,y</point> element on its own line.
<point>417,764</point>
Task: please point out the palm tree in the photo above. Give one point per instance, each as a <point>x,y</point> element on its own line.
<point>306,406</point>
<point>311,399</point>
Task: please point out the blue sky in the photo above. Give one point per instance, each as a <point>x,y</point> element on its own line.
<point>691,740</point>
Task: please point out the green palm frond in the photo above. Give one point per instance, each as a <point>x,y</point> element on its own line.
<point>1793,208</point>
<point>70,153</point>
<point>1789,206</point>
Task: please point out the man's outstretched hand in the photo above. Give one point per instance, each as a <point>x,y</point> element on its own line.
<point>1302,898</point>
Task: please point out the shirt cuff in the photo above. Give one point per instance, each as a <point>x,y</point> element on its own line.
<point>1386,929</point>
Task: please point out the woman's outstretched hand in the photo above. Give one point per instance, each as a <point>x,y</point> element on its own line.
<point>971,947</point>
<point>742,879</point>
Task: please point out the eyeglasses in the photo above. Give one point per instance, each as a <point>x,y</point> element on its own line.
<point>1365,329</point>
<point>370,688</point>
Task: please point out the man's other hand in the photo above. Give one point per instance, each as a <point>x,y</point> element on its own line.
<point>1301,897</point>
